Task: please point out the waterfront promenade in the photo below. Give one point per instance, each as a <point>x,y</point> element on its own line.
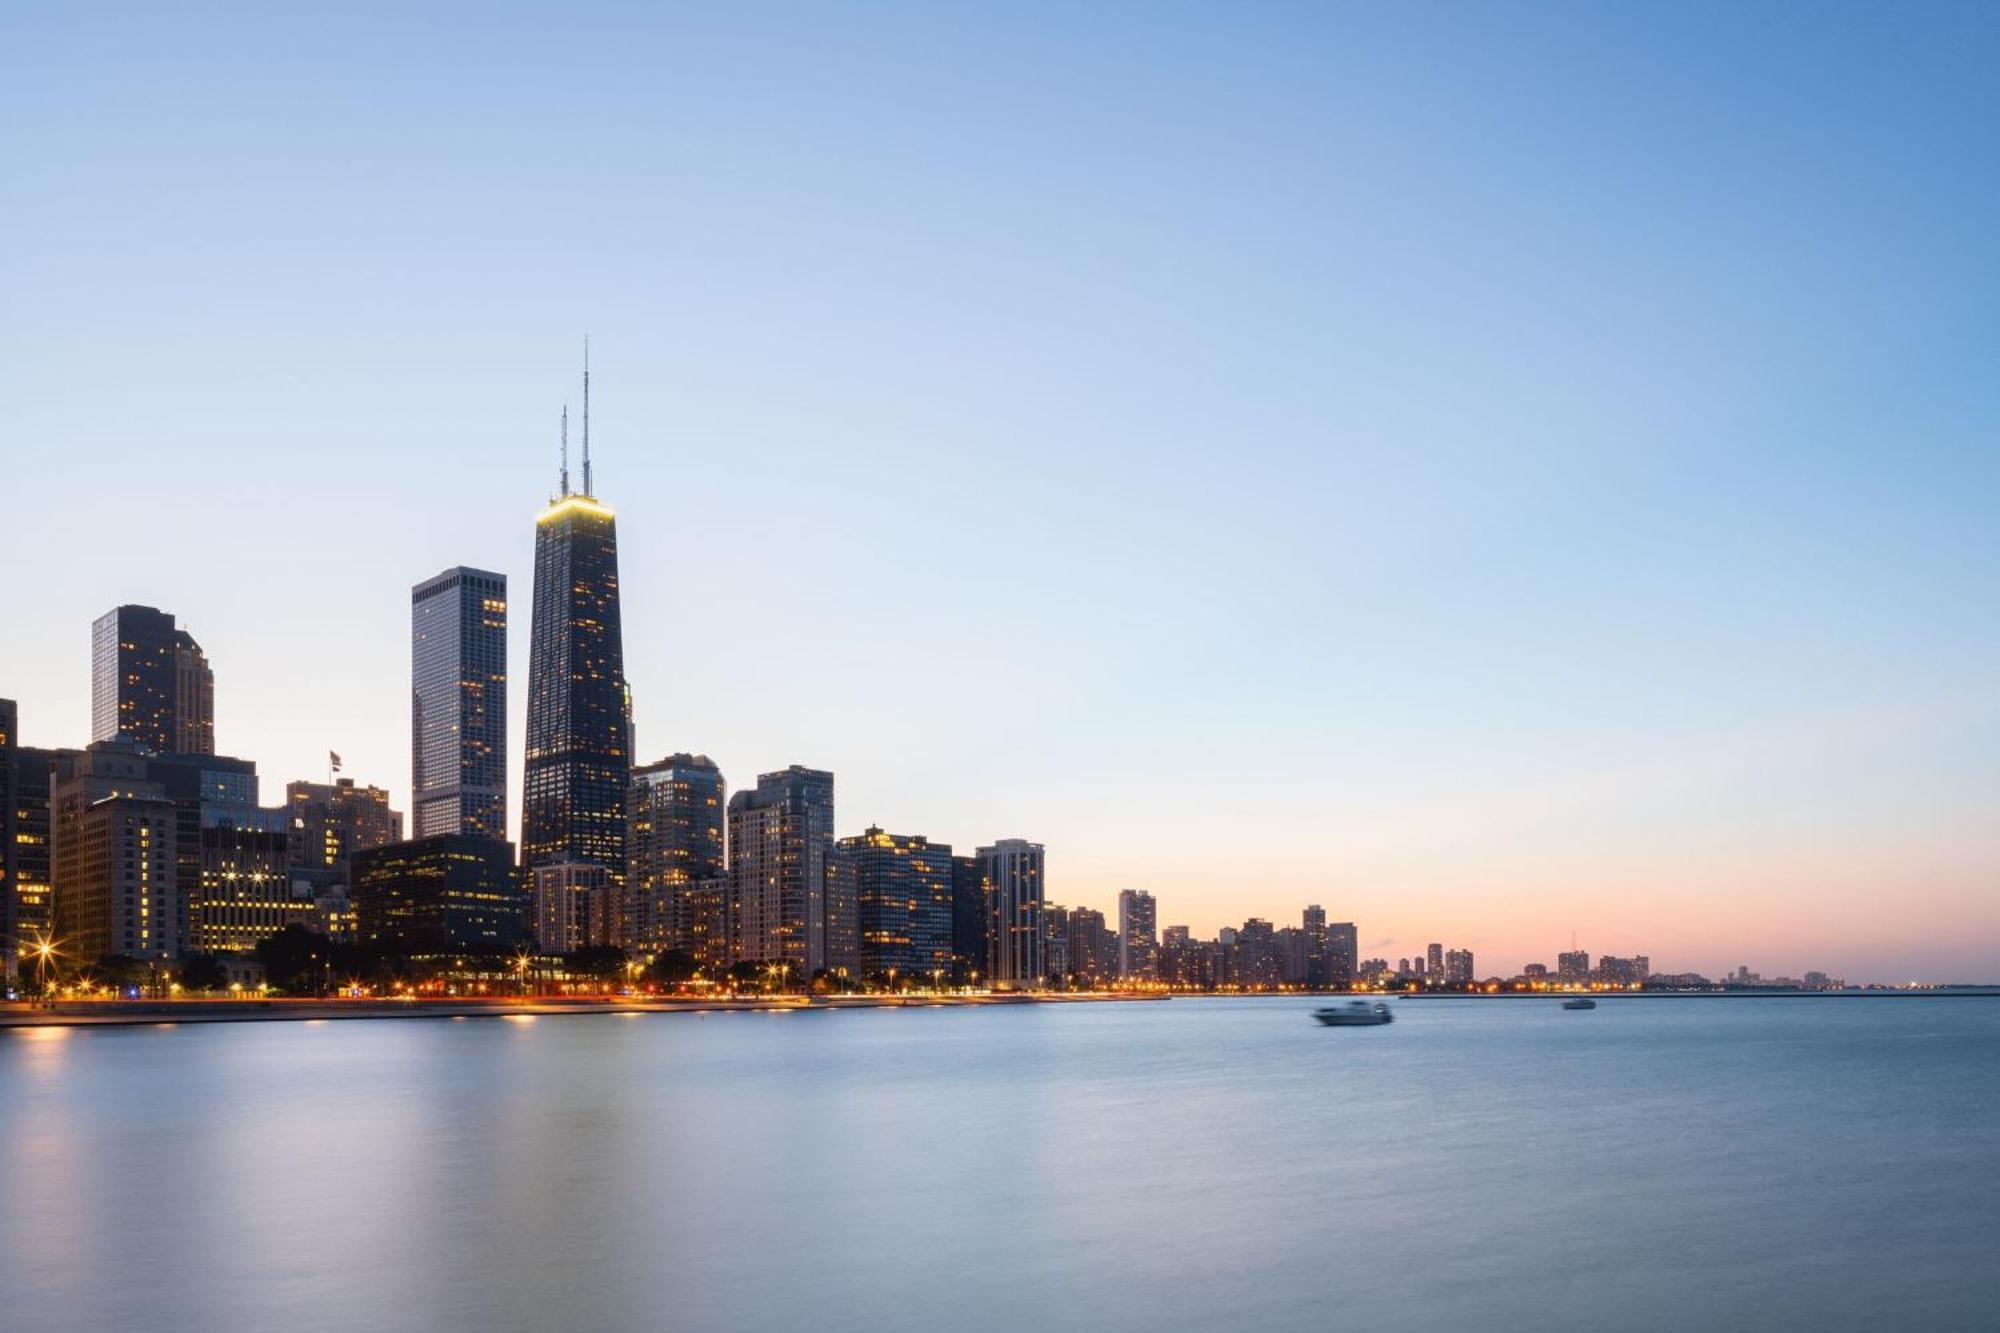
<point>126,1013</point>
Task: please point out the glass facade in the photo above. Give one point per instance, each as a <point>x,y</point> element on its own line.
<point>456,894</point>
<point>150,683</point>
<point>903,893</point>
<point>579,757</point>
<point>458,704</point>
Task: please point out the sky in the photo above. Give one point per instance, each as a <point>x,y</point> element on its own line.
<point>1495,471</point>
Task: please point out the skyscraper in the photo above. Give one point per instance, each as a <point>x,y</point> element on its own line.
<point>9,848</point>
<point>1014,872</point>
<point>579,761</point>
<point>1138,940</point>
<point>1313,922</point>
<point>780,846</point>
<point>150,684</point>
<point>458,704</point>
<point>903,902</point>
<point>674,842</point>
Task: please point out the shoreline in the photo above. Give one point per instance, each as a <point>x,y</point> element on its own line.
<point>154,1013</point>
<point>1914,993</point>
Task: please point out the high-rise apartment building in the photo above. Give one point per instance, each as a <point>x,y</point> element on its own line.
<point>458,704</point>
<point>1015,874</point>
<point>780,849</point>
<point>676,814</point>
<point>574,906</point>
<point>1138,940</point>
<point>150,683</point>
<point>903,892</point>
<point>1434,963</point>
<point>1458,967</point>
<point>9,856</point>
<point>1573,967</point>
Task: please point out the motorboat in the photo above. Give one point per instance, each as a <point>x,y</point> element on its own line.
<point>1579,1002</point>
<point>1354,1014</point>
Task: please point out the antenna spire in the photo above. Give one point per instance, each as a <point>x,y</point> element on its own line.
<point>565,449</point>
<point>586,416</point>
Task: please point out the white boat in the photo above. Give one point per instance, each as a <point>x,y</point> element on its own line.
<point>1354,1014</point>
<point>1579,1002</point>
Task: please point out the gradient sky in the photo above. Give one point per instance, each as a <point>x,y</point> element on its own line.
<point>1492,470</point>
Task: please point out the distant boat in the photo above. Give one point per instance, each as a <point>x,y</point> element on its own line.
<point>1579,1002</point>
<point>1354,1014</point>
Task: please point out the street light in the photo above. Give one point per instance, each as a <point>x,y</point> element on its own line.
<point>44,949</point>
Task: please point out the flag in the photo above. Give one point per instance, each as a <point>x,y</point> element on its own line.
<point>333,761</point>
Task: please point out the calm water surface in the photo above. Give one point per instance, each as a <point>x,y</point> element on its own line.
<point>1218,1164</point>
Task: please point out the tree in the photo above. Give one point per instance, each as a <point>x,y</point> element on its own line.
<point>296,960</point>
<point>602,962</point>
<point>672,967</point>
<point>203,971</point>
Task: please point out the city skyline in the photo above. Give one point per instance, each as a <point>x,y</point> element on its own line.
<point>1507,499</point>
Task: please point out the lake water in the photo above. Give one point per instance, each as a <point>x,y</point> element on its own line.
<point>1197,1164</point>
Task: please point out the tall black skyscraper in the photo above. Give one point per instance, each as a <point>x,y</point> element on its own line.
<point>458,704</point>
<point>150,683</point>
<point>579,762</point>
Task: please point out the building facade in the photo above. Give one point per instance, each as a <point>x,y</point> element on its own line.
<point>150,683</point>
<point>1015,874</point>
<point>1343,951</point>
<point>246,892</point>
<point>332,821</point>
<point>780,853</point>
<point>116,858</point>
<point>903,890</point>
<point>451,895</point>
<point>574,906</point>
<point>458,704</point>
<point>579,754</point>
<point>969,920</point>
<point>677,813</point>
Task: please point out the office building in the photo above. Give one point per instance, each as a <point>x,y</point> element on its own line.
<point>150,683</point>
<point>579,751</point>
<point>452,895</point>
<point>676,812</point>
<point>329,822</point>
<point>1015,873</point>
<point>780,847</point>
<point>245,892</point>
<point>116,858</point>
<point>458,704</point>
<point>903,892</point>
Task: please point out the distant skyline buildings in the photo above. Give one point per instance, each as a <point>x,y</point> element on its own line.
<point>903,897</point>
<point>458,704</point>
<point>1138,934</point>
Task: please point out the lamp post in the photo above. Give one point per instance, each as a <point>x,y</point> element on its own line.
<point>44,951</point>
